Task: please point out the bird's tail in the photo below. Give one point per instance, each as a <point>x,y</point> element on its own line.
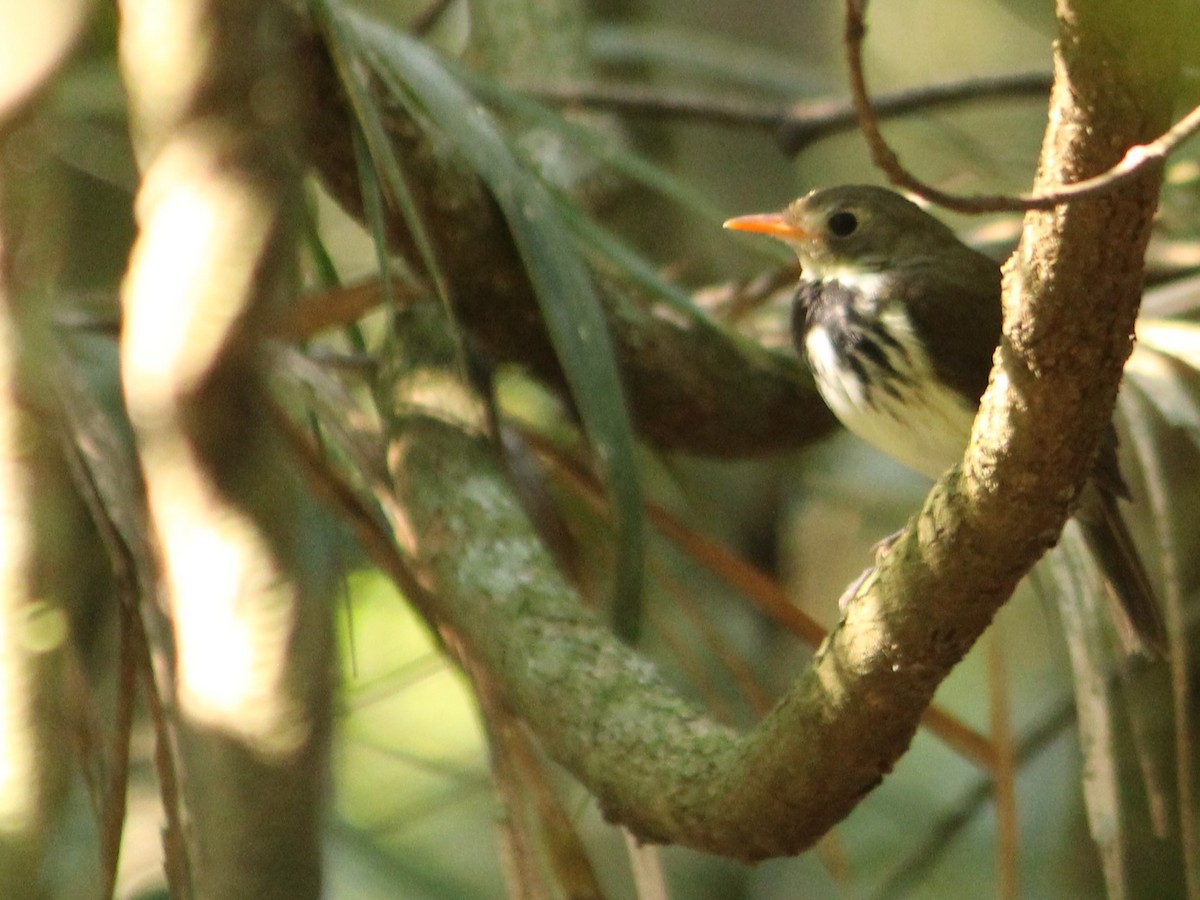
<point>1139,617</point>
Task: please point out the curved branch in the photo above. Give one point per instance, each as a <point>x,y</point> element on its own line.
<point>655,763</point>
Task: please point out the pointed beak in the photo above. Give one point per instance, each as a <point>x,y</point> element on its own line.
<point>773,224</point>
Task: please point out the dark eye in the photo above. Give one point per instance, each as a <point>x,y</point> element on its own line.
<point>842,224</point>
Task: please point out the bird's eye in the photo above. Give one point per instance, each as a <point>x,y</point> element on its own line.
<point>842,224</point>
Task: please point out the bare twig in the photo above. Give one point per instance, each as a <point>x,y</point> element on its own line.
<point>644,100</point>
<point>809,121</point>
<point>518,826</point>
<point>644,859</point>
<point>1004,775</point>
<point>797,125</point>
<point>111,490</point>
<point>909,870</point>
<point>544,850</point>
<point>377,540</point>
<point>886,159</point>
<point>341,305</point>
<point>747,682</point>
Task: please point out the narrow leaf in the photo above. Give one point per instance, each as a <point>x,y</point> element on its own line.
<point>567,298</point>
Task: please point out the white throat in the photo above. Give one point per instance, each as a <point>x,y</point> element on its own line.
<point>902,409</point>
<point>870,284</point>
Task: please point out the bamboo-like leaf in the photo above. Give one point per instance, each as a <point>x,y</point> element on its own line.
<point>628,261</point>
<point>1166,365</point>
<point>383,162</point>
<point>1153,455</point>
<point>322,261</point>
<point>566,296</point>
<point>1081,617</point>
<point>373,208</point>
<point>601,146</point>
<point>326,274</point>
<point>632,166</point>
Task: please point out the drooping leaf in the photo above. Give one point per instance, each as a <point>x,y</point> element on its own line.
<point>566,295</point>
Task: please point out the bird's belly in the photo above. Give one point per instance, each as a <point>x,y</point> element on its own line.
<point>901,409</point>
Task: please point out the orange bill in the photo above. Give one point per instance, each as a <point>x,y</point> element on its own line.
<point>774,224</point>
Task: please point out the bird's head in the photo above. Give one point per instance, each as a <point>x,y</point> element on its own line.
<point>855,230</point>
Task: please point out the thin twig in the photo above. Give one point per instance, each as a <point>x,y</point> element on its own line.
<point>798,125</point>
<point>544,851</point>
<point>110,799</point>
<point>886,159</point>
<point>748,685</point>
<point>654,102</point>
<point>517,825</point>
<point>125,538</point>
<point>910,870</point>
<point>809,121</point>
<point>341,305</point>
<point>1004,777</point>
<point>690,659</point>
<point>646,863</point>
<point>379,542</point>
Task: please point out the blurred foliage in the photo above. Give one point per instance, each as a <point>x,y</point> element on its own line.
<point>414,810</point>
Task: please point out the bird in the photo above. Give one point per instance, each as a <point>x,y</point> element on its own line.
<point>899,320</point>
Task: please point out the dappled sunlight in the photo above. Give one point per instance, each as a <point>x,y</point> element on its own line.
<point>18,789</point>
<point>168,37</point>
<point>203,231</point>
<point>206,218</point>
<point>360,403</point>
<point>233,615</point>
<point>33,41</point>
<point>32,627</point>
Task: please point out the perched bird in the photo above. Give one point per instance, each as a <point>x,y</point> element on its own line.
<point>899,320</point>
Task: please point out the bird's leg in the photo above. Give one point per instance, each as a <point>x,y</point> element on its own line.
<point>859,584</point>
<point>852,591</point>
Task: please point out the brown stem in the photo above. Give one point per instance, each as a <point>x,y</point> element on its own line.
<point>1128,167</point>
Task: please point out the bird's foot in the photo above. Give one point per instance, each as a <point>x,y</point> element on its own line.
<point>884,547</point>
<point>880,550</point>
<point>851,592</point>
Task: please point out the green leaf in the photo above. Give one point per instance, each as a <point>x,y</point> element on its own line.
<point>602,147</point>
<point>384,163</point>
<point>566,295</point>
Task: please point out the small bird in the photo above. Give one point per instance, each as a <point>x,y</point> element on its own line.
<point>899,321</point>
